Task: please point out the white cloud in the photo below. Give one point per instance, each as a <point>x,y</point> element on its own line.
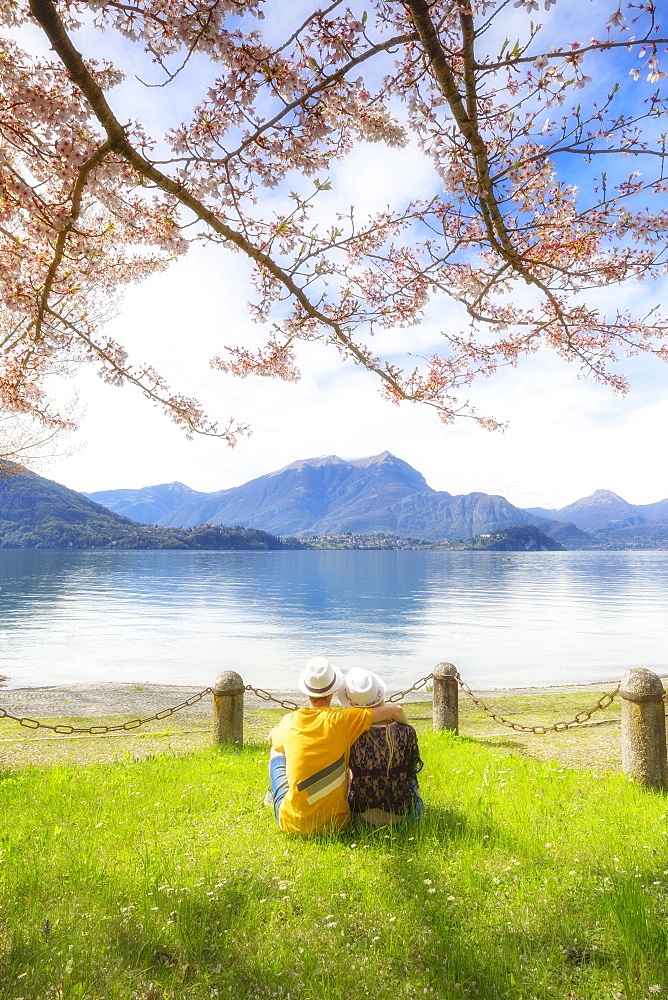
<point>565,438</point>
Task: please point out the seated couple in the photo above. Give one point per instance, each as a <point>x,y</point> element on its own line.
<point>326,762</point>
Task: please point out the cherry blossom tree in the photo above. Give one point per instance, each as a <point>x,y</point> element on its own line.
<point>547,142</point>
<point>25,442</point>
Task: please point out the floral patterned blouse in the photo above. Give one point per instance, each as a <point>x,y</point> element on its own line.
<point>373,784</point>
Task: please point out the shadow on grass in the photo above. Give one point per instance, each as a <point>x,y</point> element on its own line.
<point>513,745</point>
<point>444,824</point>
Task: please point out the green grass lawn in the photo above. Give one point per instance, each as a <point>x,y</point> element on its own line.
<point>166,878</point>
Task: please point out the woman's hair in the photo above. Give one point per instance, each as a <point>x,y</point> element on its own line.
<point>389,736</point>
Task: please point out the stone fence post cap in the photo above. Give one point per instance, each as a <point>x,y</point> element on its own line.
<point>445,670</point>
<point>640,680</point>
<point>229,682</point>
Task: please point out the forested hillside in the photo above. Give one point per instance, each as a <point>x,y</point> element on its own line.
<point>38,513</point>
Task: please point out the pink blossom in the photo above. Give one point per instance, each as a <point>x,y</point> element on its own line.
<point>290,94</point>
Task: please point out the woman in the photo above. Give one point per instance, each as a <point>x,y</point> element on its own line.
<point>384,761</point>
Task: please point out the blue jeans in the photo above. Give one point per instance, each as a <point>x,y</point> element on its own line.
<point>278,779</point>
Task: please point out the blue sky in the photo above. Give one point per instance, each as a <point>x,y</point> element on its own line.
<point>565,438</point>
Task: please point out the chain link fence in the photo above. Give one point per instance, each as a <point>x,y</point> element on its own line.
<point>64,730</point>
<point>578,719</point>
<point>266,696</point>
<point>290,706</point>
<point>400,695</point>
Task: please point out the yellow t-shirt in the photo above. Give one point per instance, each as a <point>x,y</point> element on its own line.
<point>316,743</point>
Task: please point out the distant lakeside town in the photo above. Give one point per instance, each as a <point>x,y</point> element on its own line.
<point>326,503</point>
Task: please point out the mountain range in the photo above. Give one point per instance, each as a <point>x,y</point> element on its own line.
<point>605,511</point>
<point>38,513</point>
<point>331,495</point>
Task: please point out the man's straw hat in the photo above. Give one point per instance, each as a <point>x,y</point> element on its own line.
<point>319,678</point>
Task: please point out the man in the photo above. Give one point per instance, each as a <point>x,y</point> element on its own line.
<point>308,765</point>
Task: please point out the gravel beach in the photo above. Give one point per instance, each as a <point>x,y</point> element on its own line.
<point>104,699</point>
<point>594,744</point>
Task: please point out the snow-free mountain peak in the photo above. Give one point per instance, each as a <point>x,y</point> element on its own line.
<point>330,495</point>
<point>302,463</point>
<point>600,496</point>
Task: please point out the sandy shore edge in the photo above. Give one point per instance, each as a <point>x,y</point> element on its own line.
<point>110,698</point>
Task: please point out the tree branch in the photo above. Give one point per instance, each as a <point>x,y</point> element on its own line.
<point>466,120</point>
<point>45,14</point>
<point>93,161</point>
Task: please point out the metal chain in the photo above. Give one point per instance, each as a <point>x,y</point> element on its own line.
<point>291,706</point>
<point>266,696</point>
<point>603,702</point>
<point>416,687</point>
<point>102,730</point>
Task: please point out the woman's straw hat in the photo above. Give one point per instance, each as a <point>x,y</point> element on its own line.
<point>362,689</point>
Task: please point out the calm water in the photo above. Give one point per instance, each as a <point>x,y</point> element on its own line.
<point>182,617</point>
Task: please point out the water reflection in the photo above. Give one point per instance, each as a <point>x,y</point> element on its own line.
<point>181,617</point>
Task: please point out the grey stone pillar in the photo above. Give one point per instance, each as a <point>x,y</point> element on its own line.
<point>446,698</point>
<point>644,728</point>
<point>228,709</point>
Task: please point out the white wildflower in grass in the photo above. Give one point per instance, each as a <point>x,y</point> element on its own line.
<point>318,874</point>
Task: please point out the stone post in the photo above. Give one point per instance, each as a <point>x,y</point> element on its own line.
<point>446,698</point>
<point>644,728</point>
<point>228,709</point>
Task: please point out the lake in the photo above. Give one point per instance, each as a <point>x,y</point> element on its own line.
<point>504,619</point>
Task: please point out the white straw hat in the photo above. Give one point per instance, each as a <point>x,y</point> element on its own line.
<point>319,678</point>
<point>362,689</point>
